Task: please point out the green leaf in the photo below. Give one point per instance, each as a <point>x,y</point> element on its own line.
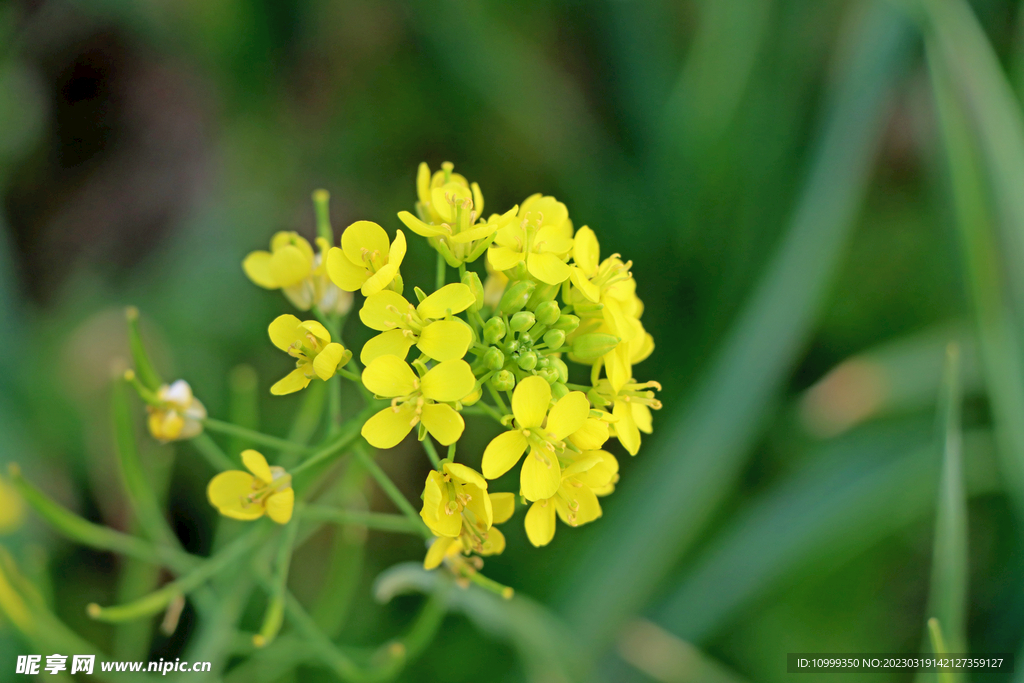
<point>677,485</point>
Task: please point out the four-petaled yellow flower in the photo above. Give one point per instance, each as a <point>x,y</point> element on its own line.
<point>631,408</point>
<point>416,399</point>
<point>301,275</point>
<point>590,474</point>
<point>543,239</point>
<point>403,325</point>
<point>455,494</point>
<point>541,472</point>
<point>178,415</point>
<point>310,344</point>
<point>367,260</point>
<point>473,536</point>
<point>245,496</point>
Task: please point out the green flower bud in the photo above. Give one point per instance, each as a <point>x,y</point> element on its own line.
<point>494,330</point>
<point>588,309</point>
<point>567,323</point>
<point>504,381</point>
<point>494,359</point>
<point>472,280</point>
<point>523,320</point>
<point>558,390</point>
<point>547,313</point>
<point>528,360</point>
<point>589,347</point>
<point>511,346</point>
<point>549,375</point>
<point>518,272</point>
<point>516,296</point>
<point>526,340</point>
<point>561,368</point>
<point>544,292</point>
<point>554,339</point>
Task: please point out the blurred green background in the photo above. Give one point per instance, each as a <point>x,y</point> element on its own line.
<point>817,197</point>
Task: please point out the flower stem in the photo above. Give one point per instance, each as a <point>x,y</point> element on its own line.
<point>252,436</point>
<point>213,453</point>
<point>348,434</point>
<point>274,616</point>
<point>378,521</point>
<point>391,490</point>
<point>428,446</point>
<point>496,395</point>
<point>439,277</point>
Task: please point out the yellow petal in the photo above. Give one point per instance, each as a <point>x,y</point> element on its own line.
<point>439,199</point>
<point>316,329</point>
<point>431,498</point>
<point>553,240</point>
<point>390,343</point>
<point>382,311</point>
<point>591,291</point>
<point>389,376</point>
<point>257,267</point>
<point>457,297</point>
<point>465,475</point>
<point>419,227</point>
<point>625,428</point>
<point>379,280</point>
<point>343,273</point>
<point>479,504</point>
<point>530,401</point>
<point>591,435</point>
<point>397,252</point>
<point>585,506</point>
<point>257,464</point>
<point>547,267</point>
<point>493,543</point>
<point>640,348</point>
<point>280,505</point>
<point>540,476</point>
<point>227,492</point>
<point>423,183</point>
<point>363,238</point>
<point>443,423</point>
<point>502,453</point>
<point>568,414</point>
<point>445,339</point>
<point>503,505</point>
<point>642,418</point>
<point>503,258</point>
<point>478,199</point>
<point>586,252</point>
<point>437,552</point>
<point>290,265</point>
<point>540,523</point>
<point>295,380</point>
<point>387,428</point>
<point>285,330</point>
<point>326,362</point>
<point>601,474</point>
<point>445,522</point>
<point>451,380</point>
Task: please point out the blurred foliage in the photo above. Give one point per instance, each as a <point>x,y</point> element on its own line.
<point>817,197</point>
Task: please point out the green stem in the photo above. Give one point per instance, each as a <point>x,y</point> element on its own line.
<point>482,408</point>
<point>378,521</point>
<point>391,490</point>
<point>143,366</point>
<point>257,438</point>
<point>439,277</point>
<point>348,435</point>
<point>334,405</point>
<point>158,600</point>
<point>496,395</point>
<point>428,446</point>
<point>451,453</point>
<point>213,453</point>
<point>348,374</point>
<point>274,616</point>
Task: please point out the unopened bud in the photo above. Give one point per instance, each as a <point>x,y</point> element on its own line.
<point>558,390</point>
<point>516,296</point>
<point>547,313</point>
<point>554,339</point>
<point>549,375</point>
<point>567,323</point>
<point>494,359</point>
<point>563,370</point>
<point>544,292</point>
<point>523,320</point>
<point>589,347</point>
<point>472,280</point>
<point>588,309</point>
<point>504,381</point>
<point>528,360</point>
<point>494,330</point>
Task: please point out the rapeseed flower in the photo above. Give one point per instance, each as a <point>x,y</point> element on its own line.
<point>310,344</point>
<point>541,431</point>
<point>542,246</point>
<point>367,260</point>
<point>416,399</point>
<point>402,325</point>
<point>301,275</point>
<point>455,495</point>
<point>474,537</point>
<point>176,413</point>
<point>263,490</point>
<point>575,502</point>
<point>631,409</point>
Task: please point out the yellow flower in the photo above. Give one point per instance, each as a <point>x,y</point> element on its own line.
<point>433,192</point>
<point>632,406</point>
<point>541,471</point>
<point>455,493</point>
<point>310,344</point>
<point>240,495</point>
<point>416,399</point>
<point>402,325</point>
<point>12,508</point>
<point>178,415</point>
<point>543,239</point>
<point>575,502</point>
<point>367,260</point>
<point>301,275</point>
<point>473,537</point>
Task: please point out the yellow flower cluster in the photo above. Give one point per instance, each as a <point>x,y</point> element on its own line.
<point>548,298</point>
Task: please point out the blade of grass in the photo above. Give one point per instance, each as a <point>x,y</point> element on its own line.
<point>663,506</point>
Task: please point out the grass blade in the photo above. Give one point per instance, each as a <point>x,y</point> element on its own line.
<point>663,506</point>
